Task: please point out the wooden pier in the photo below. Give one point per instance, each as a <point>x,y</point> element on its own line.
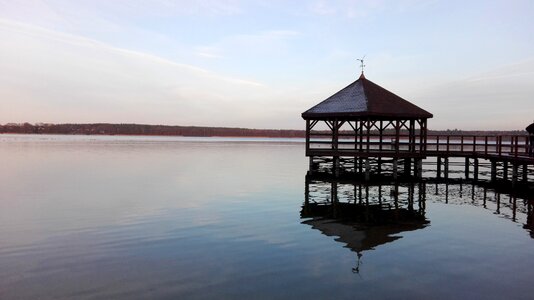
<point>507,156</point>
<point>369,131</point>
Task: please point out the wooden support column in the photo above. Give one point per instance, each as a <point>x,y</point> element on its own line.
<point>335,143</point>
<point>423,136</point>
<point>335,138</point>
<point>311,167</point>
<point>407,166</point>
<point>380,145</point>
<point>505,170</point>
<point>368,133</point>
<point>307,192</point>
<point>446,163</point>
<point>493,170</point>
<point>525,173</point>
<point>335,165</point>
<point>419,164</point>
<point>379,166</point>
<point>475,169</point>
<point>515,172</point>
<point>397,136</point>
<point>308,135</point>
<point>395,167</point>
<point>467,168</point>
<point>333,194</point>
<point>381,133</point>
<point>411,132</point>
<point>360,160</point>
<point>367,169</point>
<point>438,167</point>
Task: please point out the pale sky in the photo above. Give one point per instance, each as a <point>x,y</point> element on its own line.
<point>260,64</point>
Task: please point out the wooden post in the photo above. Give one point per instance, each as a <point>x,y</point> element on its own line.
<point>466,167</point>
<point>361,135</point>
<point>336,166</point>
<point>380,131</point>
<point>446,175</point>
<point>505,170</point>
<point>307,135</point>
<point>412,136</point>
<point>525,173</point>
<point>446,193</point>
<point>379,166</point>
<point>333,193</point>
<point>499,145</point>
<point>395,163</point>
<point>310,170</point>
<point>493,170</point>
<point>306,191</point>
<point>335,135</point>
<point>368,133</point>
<point>498,198</point>
<point>516,146</point>
<point>419,168</point>
<point>515,168</point>
<point>397,136</point>
<point>407,166</point>
<point>438,167</point>
<point>475,169</point>
<point>367,169</point>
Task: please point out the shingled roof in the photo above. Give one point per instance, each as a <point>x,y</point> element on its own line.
<point>364,98</point>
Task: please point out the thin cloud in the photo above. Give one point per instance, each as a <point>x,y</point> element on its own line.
<point>40,32</point>
<point>54,77</point>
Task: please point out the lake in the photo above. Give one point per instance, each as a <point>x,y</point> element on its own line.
<point>118,217</point>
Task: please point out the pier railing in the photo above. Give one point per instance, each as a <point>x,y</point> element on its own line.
<point>436,145</point>
<point>483,145</point>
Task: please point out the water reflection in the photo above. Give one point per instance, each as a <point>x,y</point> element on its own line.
<point>364,215</point>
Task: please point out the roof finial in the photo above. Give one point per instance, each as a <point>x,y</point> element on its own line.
<point>361,65</point>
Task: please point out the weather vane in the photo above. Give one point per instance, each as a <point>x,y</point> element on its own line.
<point>361,62</point>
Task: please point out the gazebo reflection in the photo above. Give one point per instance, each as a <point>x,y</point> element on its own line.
<point>364,215</point>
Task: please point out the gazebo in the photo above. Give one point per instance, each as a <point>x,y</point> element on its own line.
<point>366,123</point>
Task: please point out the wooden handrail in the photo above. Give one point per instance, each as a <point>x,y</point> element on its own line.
<point>454,144</point>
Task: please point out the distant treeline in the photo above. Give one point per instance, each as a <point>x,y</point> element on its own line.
<point>140,129</point>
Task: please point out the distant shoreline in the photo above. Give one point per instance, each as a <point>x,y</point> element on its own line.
<point>108,129</point>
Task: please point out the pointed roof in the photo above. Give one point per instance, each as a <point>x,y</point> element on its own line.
<point>364,98</point>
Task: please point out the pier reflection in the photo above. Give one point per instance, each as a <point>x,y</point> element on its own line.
<point>364,215</point>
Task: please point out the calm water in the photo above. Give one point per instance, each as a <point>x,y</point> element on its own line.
<point>167,218</point>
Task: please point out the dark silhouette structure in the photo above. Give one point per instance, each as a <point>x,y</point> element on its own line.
<point>370,130</point>
<point>530,130</point>
<point>367,122</point>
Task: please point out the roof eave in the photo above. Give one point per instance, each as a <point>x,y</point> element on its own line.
<point>307,115</point>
